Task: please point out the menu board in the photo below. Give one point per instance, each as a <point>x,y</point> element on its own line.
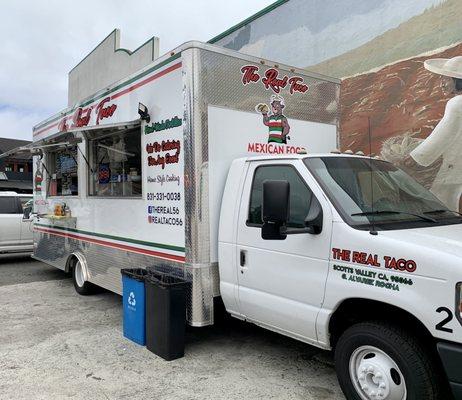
<point>163,159</point>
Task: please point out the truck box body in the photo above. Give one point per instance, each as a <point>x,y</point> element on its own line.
<point>206,107</point>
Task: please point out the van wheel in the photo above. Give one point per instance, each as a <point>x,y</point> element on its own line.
<point>377,361</point>
<point>81,286</point>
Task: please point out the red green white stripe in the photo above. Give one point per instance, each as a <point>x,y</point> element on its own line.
<point>89,238</point>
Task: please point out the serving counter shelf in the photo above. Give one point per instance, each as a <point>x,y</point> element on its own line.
<point>59,221</point>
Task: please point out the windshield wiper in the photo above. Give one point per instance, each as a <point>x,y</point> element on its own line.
<point>385,212</point>
<point>441,211</point>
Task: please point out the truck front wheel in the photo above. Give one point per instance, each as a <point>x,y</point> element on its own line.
<point>376,361</point>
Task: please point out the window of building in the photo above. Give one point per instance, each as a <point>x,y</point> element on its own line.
<point>62,164</point>
<point>300,194</point>
<point>115,164</point>
<point>8,167</point>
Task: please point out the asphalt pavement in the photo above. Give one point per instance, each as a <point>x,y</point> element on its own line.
<point>16,269</point>
<point>55,344</point>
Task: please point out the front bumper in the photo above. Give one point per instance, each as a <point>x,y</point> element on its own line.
<point>451,357</point>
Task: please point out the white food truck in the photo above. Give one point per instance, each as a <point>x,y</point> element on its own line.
<point>196,165</point>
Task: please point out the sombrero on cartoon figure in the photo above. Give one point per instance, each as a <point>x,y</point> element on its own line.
<point>275,98</point>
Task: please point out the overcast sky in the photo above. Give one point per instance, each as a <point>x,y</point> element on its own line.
<point>43,39</point>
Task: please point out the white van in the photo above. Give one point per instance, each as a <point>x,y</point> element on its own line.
<point>15,230</point>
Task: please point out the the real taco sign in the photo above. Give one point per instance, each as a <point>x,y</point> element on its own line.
<point>272,80</point>
<point>272,114</point>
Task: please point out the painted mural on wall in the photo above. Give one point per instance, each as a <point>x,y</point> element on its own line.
<point>401,70</point>
<point>416,120</point>
<point>445,141</point>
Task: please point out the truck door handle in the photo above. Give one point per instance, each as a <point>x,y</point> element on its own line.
<point>242,258</point>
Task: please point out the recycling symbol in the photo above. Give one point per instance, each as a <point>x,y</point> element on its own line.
<point>131,299</point>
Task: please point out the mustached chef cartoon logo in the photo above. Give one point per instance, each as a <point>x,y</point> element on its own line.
<point>275,120</point>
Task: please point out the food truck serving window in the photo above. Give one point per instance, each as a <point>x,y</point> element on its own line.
<point>115,161</point>
<point>62,164</point>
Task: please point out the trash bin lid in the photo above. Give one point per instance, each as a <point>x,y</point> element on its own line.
<point>164,279</point>
<point>138,274</point>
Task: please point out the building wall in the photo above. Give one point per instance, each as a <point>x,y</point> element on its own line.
<point>16,175</point>
<point>378,49</point>
<point>14,165</point>
<point>106,64</point>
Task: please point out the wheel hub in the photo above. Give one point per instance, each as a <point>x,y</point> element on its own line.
<point>79,277</point>
<point>375,375</point>
<point>373,380</point>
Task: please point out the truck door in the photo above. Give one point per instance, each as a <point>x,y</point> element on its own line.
<point>281,282</point>
<point>10,221</point>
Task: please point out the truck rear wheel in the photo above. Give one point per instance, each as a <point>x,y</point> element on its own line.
<point>376,361</point>
<point>81,286</point>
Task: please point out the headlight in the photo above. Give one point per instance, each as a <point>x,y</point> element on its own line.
<point>459,301</point>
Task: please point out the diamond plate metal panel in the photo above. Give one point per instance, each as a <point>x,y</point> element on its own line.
<point>215,79</point>
<point>103,263</point>
<point>212,78</point>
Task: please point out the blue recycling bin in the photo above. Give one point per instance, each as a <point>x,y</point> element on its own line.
<point>134,301</point>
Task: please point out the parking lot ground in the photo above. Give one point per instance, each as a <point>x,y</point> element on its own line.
<point>15,269</point>
<point>55,344</point>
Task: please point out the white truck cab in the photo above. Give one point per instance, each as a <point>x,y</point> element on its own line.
<point>348,253</point>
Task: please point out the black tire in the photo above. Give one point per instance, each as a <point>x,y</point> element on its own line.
<point>415,365</point>
<point>85,288</point>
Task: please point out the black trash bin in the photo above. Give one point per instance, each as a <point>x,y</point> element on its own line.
<point>165,314</point>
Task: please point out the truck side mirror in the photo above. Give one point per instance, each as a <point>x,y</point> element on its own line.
<point>275,209</point>
<point>313,221</point>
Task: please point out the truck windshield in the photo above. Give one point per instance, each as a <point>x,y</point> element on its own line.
<point>368,190</point>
